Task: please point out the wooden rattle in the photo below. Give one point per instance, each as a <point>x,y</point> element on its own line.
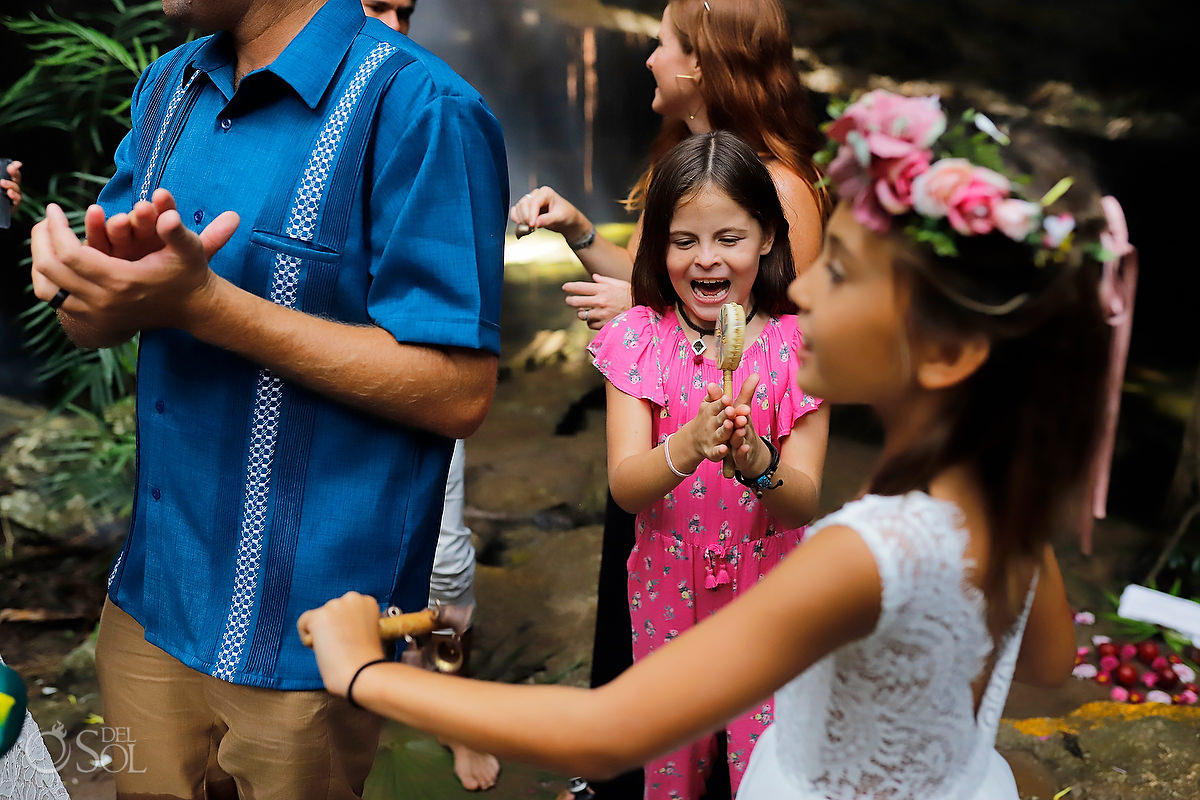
<point>523,229</point>
<point>398,626</point>
<point>731,334</point>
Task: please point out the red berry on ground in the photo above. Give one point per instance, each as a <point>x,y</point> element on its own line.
<point>1167,678</point>
<point>1108,649</point>
<point>1147,651</point>
<point>1126,675</point>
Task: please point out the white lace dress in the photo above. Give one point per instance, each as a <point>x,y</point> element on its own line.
<point>27,771</point>
<point>892,715</point>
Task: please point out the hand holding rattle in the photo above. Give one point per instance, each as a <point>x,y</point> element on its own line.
<point>731,334</point>
<point>417,623</point>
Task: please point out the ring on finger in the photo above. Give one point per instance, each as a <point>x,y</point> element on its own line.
<point>586,311</point>
<point>59,298</point>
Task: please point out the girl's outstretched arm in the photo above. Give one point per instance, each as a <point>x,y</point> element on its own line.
<point>822,596</point>
<point>1048,648</point>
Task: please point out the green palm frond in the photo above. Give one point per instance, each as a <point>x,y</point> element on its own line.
<point>83,73</point>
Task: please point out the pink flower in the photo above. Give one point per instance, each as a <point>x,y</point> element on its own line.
<point>1082,617</point>
<point>893,185</point>
<point>1109,663</point>
<point>1016,219</point>
<point>1158,663</point>
<point>1186,674</point>
<point>1158,696</point>
<point>1098,640</point>
<point>1085,671</point>
<point>1082,651</point>
<point>1150,679</point>
<point>1128,652</point>
<point>932,189</point>
<point>970,207</point>
<point>1188,696</point>
<point>886,140</point>
<point>1119,693</point>
<point>854,183</point>
<point>892,125</point>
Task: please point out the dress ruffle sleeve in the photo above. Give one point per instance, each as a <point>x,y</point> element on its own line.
<point>628,353</point>
<point>795,402</point>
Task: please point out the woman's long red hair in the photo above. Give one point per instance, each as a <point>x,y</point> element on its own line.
<point>749,85</point>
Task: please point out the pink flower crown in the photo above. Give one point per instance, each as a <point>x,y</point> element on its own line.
<point>892,156</point>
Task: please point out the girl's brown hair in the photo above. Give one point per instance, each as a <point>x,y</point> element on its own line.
<point>749,85</point>
<point>1026,420</point>
<point>723,162</point>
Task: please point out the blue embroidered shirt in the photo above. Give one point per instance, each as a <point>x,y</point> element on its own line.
<point>372,187</point>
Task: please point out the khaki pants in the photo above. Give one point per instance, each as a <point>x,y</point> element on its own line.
<point>196,737</point>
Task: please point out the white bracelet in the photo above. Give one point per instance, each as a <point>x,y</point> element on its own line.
<point>667,453</point>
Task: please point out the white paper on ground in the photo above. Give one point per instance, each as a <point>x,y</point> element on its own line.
<point>1149,605</point>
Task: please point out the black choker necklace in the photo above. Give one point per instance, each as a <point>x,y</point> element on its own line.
<point>698,346</point>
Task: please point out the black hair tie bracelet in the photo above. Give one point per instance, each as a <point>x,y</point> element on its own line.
<point>350,687</point>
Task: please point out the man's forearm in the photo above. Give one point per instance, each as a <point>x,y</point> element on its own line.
<point>443,390</point>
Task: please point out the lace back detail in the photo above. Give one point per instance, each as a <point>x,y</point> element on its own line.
<point>893,715</point>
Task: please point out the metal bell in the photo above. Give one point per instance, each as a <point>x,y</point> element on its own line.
<point>443,652</point>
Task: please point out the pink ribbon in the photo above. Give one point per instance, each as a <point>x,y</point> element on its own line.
<point>1118,283</point>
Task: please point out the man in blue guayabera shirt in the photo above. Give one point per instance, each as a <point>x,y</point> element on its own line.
<point>306,227</point>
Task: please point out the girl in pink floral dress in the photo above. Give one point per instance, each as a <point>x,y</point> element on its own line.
<point>713,233</point>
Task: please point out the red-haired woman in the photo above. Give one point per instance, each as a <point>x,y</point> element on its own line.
<point>723,65</point>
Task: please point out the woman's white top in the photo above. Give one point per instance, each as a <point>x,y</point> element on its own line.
<point>892,715</point>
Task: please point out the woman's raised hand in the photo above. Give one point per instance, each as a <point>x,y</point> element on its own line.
<point>10,183</point>
<point>598,300</point>
<point>545,208</point>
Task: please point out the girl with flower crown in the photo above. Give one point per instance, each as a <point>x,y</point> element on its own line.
<point>974,328</point>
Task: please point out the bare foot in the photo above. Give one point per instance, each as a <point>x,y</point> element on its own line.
<point>476,771</point>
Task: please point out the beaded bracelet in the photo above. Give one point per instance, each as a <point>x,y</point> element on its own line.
<point>671,464</point>
<point>763,482</point>
<point>350,686</point>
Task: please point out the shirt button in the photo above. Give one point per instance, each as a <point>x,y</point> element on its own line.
<point>198,216</point>
<point>160,406</point>
<point>226,123</point>
<point>156,494</point>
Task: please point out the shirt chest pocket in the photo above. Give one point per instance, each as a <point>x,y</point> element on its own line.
<point>297,248</point>
<point>292,272</point>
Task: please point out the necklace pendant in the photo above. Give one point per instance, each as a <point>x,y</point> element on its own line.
<point>698,347</point>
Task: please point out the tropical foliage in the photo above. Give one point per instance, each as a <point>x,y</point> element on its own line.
<point>77,92</point>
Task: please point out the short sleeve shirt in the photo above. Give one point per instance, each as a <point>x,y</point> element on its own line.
<point>257,499</point>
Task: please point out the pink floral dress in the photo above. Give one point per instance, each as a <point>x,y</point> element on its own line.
<point>697,546</point>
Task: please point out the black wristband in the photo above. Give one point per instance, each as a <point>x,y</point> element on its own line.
<point>763,482</point>
<point>357,672</point>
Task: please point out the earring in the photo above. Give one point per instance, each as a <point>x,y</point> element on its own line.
<point>689,77</point>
